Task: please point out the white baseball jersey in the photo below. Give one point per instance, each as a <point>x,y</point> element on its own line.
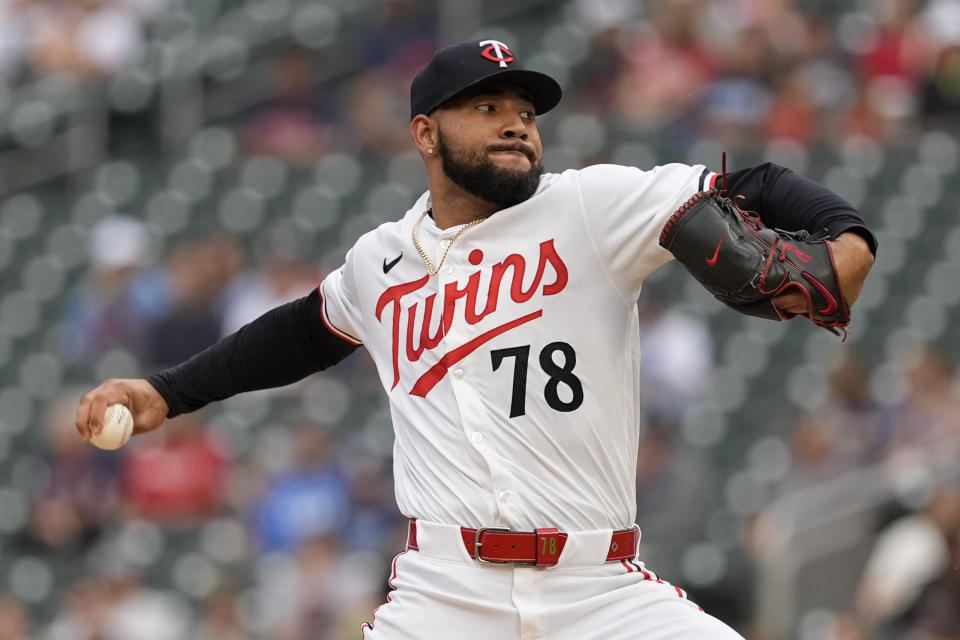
<point>513,373</point>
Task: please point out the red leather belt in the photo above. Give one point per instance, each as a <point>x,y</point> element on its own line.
<point>539,548</point>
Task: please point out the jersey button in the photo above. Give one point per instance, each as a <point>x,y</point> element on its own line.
<point>448,269</point>
<point>458,373</point>
<point>477,437</point>
<point>503,495</point>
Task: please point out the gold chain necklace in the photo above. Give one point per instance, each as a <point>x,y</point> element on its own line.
<point>423,253</point>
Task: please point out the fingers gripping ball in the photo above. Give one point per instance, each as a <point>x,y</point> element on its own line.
<point>117,428</point>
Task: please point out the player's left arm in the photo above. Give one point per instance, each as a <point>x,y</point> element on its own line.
<point>786,200</point>
<point>853,260</point>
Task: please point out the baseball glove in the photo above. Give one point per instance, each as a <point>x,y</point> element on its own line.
<point>744,263</point>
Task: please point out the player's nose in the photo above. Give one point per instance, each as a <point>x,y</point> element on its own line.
<point>515,127</point>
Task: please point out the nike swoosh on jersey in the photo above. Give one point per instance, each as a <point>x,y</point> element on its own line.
<point>390,265</point>
<point>716,254</point>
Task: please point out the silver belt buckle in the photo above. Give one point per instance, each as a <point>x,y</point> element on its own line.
<point>477,545</point>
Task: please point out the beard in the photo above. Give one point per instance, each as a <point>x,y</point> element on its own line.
<point>476,174</point>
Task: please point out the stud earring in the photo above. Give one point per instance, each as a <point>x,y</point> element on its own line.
<point>429,150</point>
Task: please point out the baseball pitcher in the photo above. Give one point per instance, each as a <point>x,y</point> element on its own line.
<point>500,311</point>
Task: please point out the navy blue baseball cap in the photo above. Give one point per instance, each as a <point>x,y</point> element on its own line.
<point>455,69</point>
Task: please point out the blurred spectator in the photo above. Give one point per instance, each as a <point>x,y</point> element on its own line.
<point>310,499</point>
<point>81,495</point>
<point>898,46</point>
<point>848,627</point>
<point>15,619</point>
<point>672,499</point>
<point>676,357</point>
<point>84,611</point>
<point>15,18</point>
<point>119,607</point>
<point>941,96</point>
<point>138,612</point>
<point>322,593</point>
<point>862,118</point>
<point>737,102</point>
<point>376,107</point>
<point>793,110</point>
<point>81,612</point>
<point>281,279</point>
<point>926,424</point>
<point>87,38</point>
<point>113,305</point>
<point>604,16</point>
<point>907,556</point>
<point>666,68</point>
<point>192,322</point>
<point>842,625</point>
<point>146,9</point>
<point>220,616</point>
<point>226,258</point>
<point>891,68</point>
<point>176,476</point>
<point>601,71</point>
<point>675,367</point>
<point>291,124</point>
<point>940,20</point>
<point>817,455</point>
<point>937,615</point>
<point>607,22</point>
<point>374,518</point>
<point>862,425</point>
<point>829,78</point>
<point>402,37</point>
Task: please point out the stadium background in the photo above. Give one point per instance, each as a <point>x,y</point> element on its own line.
<point>169,169</point>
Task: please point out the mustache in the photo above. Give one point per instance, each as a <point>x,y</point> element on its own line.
<point>522,147</point>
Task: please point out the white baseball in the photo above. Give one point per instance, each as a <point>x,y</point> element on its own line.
<point>117,428</point>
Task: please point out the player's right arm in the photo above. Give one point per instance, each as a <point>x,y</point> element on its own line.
<point>282,346</point>
<point>147,406</point>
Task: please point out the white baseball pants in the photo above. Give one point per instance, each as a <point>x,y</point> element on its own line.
<point>440,593</point>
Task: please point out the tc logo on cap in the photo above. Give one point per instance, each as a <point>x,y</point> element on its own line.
<point>496,51</point>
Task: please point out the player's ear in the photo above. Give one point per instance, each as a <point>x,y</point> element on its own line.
<point>424,131</point>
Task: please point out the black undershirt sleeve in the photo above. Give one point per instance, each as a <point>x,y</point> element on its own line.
<point>786,200</point>
<point>280,347</point>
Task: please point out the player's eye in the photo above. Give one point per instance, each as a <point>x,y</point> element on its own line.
<point>528,115</point>
<point>485,107</point>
